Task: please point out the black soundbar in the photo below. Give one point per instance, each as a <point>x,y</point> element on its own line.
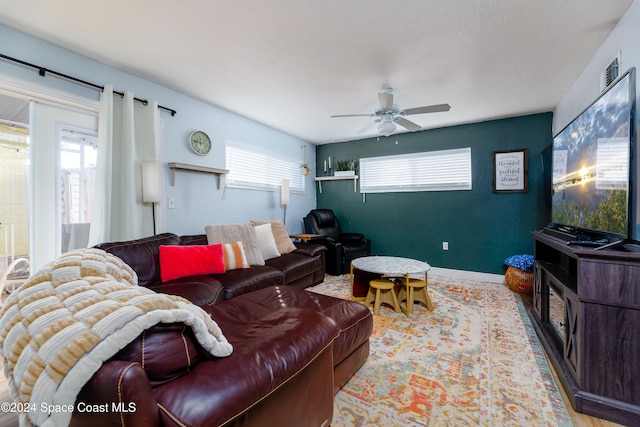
<point>559,234</point>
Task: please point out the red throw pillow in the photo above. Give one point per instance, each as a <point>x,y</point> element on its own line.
<point>178,261</point>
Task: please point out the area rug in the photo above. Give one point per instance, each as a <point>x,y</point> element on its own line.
<point>474,361</point>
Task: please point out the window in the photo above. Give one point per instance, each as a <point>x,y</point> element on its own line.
<point>78,158</point>
<point>428,171</point>
<point>255,170</point>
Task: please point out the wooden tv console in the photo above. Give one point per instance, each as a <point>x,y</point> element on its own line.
<point>586,311</point>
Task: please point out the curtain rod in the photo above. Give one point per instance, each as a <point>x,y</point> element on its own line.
<point>42,71</point>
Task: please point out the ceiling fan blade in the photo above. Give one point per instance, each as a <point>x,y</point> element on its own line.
<point>352,115</point>
<point>437,108</point>
<point>386,100</point>
<point>367,127</point>
<point>407,124</point>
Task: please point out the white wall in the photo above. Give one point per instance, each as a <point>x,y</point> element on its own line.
<point>197,200</point>
<point>625,38</point>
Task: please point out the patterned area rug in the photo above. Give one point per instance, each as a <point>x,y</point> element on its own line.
<point>474,361</point>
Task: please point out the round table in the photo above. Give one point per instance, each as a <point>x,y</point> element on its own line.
<point>390,265</point>
<point>377,266</point>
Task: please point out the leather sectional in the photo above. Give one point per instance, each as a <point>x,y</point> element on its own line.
<point>293,349</point>
<point>302,268</point>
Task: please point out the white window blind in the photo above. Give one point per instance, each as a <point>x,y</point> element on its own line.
<point>428,171</point>
<point>260,171</point>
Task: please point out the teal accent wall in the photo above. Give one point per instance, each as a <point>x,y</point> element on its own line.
<point>482,227</point>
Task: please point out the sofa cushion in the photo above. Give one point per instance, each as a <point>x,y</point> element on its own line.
<point>142,255</point>
<point>266,242</point>
<point>268,353</point>
<point>165,351</point>
<point>201,290</point>
<point>238,282</point>
<point>283,241</point>
<point>229,233</point>
<point>195,239</point>
<point>182,261</point>
<point>310,249</point>
<point>356,324</point>
<point>354,319</point>
<point>295,266</point>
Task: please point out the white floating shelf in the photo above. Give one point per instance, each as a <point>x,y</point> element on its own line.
<point>195,168</point>
<point>338,178</point>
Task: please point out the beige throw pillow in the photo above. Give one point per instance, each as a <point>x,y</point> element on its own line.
<point>230,233</point>
<point>283,241</point>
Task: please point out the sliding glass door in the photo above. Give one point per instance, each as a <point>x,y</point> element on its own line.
<point>63,156</point>
<point>14,168</point>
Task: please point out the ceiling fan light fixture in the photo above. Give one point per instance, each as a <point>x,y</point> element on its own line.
<point>386,126</point>
<point>389,114</point>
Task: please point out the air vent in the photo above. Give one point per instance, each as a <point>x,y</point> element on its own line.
<point>610,73</point>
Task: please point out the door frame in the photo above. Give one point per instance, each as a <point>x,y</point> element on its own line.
<point>44,95</point>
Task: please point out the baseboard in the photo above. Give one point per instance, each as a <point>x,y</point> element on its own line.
<point>469,275</point>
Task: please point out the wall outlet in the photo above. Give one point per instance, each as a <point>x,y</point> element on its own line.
<point>445,246</point>
<point>171,203</point>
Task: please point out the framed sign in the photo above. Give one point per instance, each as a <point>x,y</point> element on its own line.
<point>510,171</point>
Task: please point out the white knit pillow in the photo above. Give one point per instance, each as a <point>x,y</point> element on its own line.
<point>283,241</point>
<point>266,241</point>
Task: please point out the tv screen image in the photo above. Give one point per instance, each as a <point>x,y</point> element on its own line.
<point>591,164</point>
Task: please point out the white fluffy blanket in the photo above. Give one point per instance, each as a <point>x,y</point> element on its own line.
<point>58,328</point>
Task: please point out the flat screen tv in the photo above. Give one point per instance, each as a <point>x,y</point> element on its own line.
<point>592,168</point>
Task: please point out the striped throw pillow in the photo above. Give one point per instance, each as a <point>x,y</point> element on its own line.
<point>233,256</point>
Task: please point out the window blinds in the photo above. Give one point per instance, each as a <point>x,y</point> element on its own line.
<point>260,171</point>
<point>427,171</point>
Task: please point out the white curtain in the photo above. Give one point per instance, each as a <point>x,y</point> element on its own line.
<point>128,134</point>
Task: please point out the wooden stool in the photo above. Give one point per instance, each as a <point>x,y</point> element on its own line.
<point>412,291</point>
<point>382,292</point>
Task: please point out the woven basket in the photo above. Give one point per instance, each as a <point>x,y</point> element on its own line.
<point>519,281</point>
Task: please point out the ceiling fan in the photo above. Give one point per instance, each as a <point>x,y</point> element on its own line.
<point>389,114</point>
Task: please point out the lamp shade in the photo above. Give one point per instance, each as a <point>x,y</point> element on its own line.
<point>284,192</point>
<point>151,177</point>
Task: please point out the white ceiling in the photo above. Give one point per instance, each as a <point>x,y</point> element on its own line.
<point>290,64</point>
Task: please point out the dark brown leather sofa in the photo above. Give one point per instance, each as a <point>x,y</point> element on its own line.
<point>301,268</point>
<point>293,349</point>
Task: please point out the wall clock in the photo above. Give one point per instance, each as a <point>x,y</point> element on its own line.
<point>200,142</point>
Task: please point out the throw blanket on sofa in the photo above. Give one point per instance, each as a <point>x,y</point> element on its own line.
<point>58,328</point>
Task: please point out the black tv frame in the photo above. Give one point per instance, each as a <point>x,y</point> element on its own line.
<point>602,239</point>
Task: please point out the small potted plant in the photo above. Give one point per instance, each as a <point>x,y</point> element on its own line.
<point>345,168</point>
<point>304,168</point>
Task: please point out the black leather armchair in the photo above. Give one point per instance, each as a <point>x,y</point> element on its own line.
<point>342,248</point>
